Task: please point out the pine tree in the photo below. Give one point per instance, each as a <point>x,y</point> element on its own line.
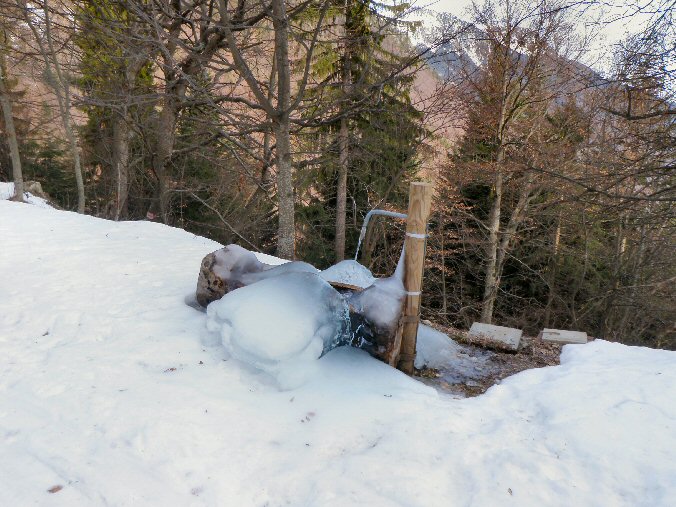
<point>114,69</point>
<point>367,145</point>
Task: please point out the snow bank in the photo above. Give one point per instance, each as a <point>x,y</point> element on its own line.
<point>7,192</point>
<point>114,399</point>
<point>314,318</point>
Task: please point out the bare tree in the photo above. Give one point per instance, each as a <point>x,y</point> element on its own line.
<point>278,112</point>
<point>38,17</point>
<point>6,103</point>
<point>506,99</point>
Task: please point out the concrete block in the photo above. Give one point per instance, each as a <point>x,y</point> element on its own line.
<point>507,336</point>
<point>560,336</point>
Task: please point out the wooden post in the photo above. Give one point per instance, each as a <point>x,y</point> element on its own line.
<point>420,200</point>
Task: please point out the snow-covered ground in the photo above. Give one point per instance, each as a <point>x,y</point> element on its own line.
<point>107,392</point>
<point>7,192</point>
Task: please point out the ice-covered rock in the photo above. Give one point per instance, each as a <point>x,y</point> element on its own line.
<point>221,271</point>
<point>233,267</point>
<point>300,294</point>
<point>281,324</point>
<point>349,272</point>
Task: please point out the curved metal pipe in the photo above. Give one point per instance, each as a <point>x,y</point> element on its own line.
<point>367,218</point>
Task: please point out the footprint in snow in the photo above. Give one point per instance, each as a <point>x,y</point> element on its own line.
<point>308,417</point>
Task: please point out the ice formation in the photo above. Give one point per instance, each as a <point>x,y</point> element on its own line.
<point>456,364</point>
<point>281,324</point>
<point>349,272</point>
<point>381,303</point>
<point>237,267</point>
<point>234,261</point>
<point>297,298</point>
<point>281,269</point>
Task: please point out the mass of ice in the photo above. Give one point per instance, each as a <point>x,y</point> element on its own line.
<point>454,363</point>
<point>349,272</point>
<point>233,262</point>
<point>260,299</point>
<point>381,303</point>
<point>281,324</point>
<point>281,269</point>
<point>238,267</point>
<point>435,349</point>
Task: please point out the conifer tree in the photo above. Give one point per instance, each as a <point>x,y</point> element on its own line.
<point>367,141</point>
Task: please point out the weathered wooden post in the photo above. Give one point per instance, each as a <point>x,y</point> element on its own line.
<point>420,200</point>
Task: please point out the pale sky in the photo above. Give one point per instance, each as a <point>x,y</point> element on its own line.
<point>617,19</point>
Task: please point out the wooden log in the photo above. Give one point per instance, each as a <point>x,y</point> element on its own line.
<point>393,351</point>
<point>420,200</point>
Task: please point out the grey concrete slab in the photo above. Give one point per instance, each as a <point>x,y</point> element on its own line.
<point>562,336</point>
<point>508,336</point>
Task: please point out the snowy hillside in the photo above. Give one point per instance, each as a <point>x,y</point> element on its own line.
<point>109,397</point>
<point>7,192</point>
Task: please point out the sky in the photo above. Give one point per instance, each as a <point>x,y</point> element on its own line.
<point>618,19</point>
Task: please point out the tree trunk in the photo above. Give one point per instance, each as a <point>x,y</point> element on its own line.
<point>490,273</point>
<point>62,90</point>
<point>370,241</point>
<point>618,262</point>
<point>286,211</point>
<point>166,123</point>
<point>444,295</point>
<point>286,233</point>
<point>343,141</point>
<point>579,281</point>
<point>632,294</point>
<point>341,190</point>
<point>121,165</point>
<point>6,103</point>
<point>75,152</point>
<point>554,266</point>
<point>510,229</point>
<point>266,182</point>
